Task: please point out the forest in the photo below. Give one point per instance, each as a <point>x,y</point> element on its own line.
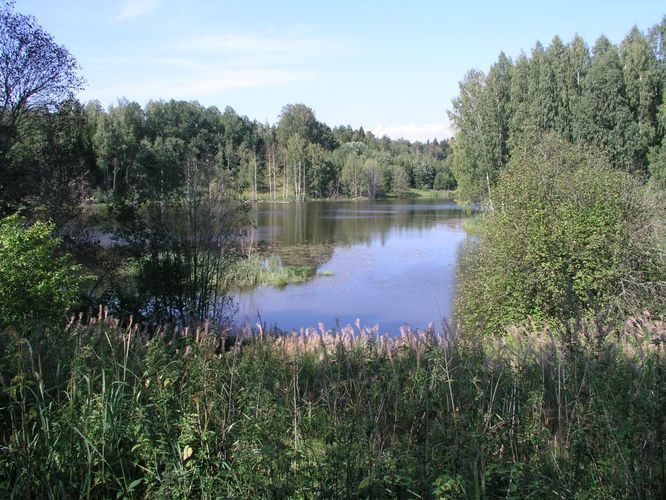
<point>120,374</point>
<point>125,152</point>
<point>610,98</point>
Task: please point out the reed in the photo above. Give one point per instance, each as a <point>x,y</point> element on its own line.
<point>109,410</point>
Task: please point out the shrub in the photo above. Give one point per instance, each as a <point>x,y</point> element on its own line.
<point>36,284</point>
<point>562,236</point>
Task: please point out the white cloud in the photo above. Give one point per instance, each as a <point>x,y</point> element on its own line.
<point>413,132</point>
<point>202,86</point>
<point>241,79</point>
<point>252,43</point>
<point>263,48</point>
<point>133,8</point>
<point>151,60</point>
<point>209,65</point>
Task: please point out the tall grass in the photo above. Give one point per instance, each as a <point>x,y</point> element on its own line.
<point>104,410</point>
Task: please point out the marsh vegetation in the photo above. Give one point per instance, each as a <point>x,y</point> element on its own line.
<point>100,409</point>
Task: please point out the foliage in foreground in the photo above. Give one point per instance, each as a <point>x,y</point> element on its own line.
<point>36,284</point>
<point>107,411</point>
<point>562,235</point>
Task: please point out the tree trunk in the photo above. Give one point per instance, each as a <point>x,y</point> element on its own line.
<point>286,180</point>
<point>254,152</point>
<point>115,174</point>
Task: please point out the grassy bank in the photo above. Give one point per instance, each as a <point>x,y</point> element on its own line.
<point>410,193</point>
<point>429,193</point>
<point>108,411</point>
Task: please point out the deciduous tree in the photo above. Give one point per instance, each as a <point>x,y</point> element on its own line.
<point>35,72</point>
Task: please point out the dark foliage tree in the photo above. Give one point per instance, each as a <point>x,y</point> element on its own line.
<point>641,78</point>
<point>605,120</point>
<point>187,249</point>
<point>50,167</point>
<point>657,154</point>
<point>35,73</point>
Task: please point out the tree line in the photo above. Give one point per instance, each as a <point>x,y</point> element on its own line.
<point>610,98</point>
<point>63,154</point>
<point>298,157</point>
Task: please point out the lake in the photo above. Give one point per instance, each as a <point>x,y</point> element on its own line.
<point>386,263</point>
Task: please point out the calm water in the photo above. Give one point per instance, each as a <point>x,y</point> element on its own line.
<point>391,263</point>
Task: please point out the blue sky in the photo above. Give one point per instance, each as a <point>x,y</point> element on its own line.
<point>391,67</point>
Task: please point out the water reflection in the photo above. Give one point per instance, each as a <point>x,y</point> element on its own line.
<point>283,226</point>
<point>390,263</point>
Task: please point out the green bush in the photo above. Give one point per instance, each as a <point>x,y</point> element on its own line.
<point>35,283</point>
<point>562,236</point>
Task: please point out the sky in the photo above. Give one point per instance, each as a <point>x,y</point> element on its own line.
<point>392,67</point>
